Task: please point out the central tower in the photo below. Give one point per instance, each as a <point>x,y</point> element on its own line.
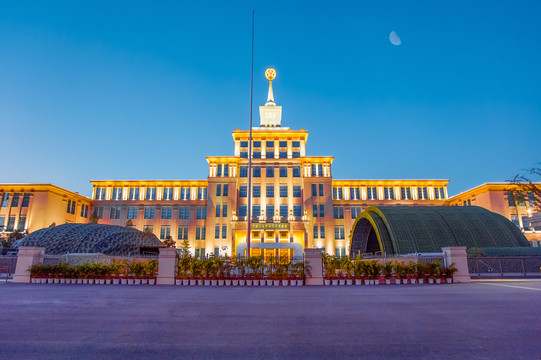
<point>270,114</point>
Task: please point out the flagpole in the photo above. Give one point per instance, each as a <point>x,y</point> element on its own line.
<point>248,226</point>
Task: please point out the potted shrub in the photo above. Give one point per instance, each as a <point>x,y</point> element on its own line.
<point>376,271</point>
<point>387,270</point>
<point>400,273</point>
<point>358,270</point>
<point>125,270</point>
<point>449,272</point>
<point>151,268</point>
<point>36,271</point>
<point>419,270</point>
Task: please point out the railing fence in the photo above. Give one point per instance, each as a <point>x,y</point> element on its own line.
<point>504,266</point>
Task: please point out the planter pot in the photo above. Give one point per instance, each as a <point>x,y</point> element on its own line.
<point>421,281</point>
<point>85,281</point>
<point>397,281</point>
<point>116,281</point>
<point>449,280</point>
<point>131,281</point>
<point>93,281</point>
<point>200,282</point>
<point>227,282</point>
<point>50,280</point>
<point>80,281</point>
<point>242,282</point>
<point>327,282</point>
<point>286,282</point>
<point>144,281</point>
<point>124,281</point>
<point>369,282</point>
<point>431,281</point>
<point>438,281</point>
<point>300,282</point>
<point>235,282</point>
<point>185,282</point>
<point>342,282</point>
<point>108,281</point>
<point>62,280</point>
<point>358,281</point>
<point>413,281</point>
<point>152,281</point>
<point>376,281</point>
<point>349,282</point>
<point>71,281</point>
<point>102,281</point>
<point>387,281</point>
<point>137,281</point>
<point>193,282</point>
<point>221,282</point>
<point>250,282</point>
<point>214,282</point>
<point>56,281</point>
<point>207,282</point>
<point>334,282</point>
<point>33,280</point>
<point>178,282</point>
<point>256,282</point>
<point>276,282</point>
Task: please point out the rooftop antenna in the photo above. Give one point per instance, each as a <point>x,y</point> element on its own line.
<point>248,227</point>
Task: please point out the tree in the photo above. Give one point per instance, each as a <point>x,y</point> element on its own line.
<point>94,218</point>
<point>169,242</point>
<point>525,190</point>
<point>8,241</point>
<point>129,223</point>
<point>185,247</point>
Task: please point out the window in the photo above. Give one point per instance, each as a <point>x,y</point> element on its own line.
<point>148,228</point>
<point>526,226</point>
<point>338,212</point>
<point>224,231</point>
<point>151,194</point>
<point>184,212</point>
<point>243,144</point>
<point>243,191</point>
<point>132,212</point>
<point>257,191</point>
<point>283,155</point>
<point>354,193</point>
<point>317,170</point>
<point>282,144</point>
<point>270,171</point>
<point>314,189</point>
<point>200,233</point>
<point>296,144</point>
<point>201,212</point>
<point>257,144</point>
<point>283,191</point>
<point>11,223</point>
<point>355,211</point>
<point>296,191</point>
<point>165,232</point>
<point>337,193</point>
<point>243,210</point>
<point>182,233</point>
<point>2,222</point>
<point>283,171</point>
<point>531,199</point>
<point>340,252</point>
<point>405,193</point>
<point>322,231</point>
<point>68,208</point>
<point>243,171</point>
<point>115,212</point>
<point>226,190</point>
<point>99,212</point>
<point>226,169</point>
<point>316,232</point>
<point>257,155</point>
<point>510,199</point>
<point>219,170</point>
<point>296,154</point>
<point>168,193</point>
<point>257,171</point>
<point>270,211</point>
<point>244,154</point>
<point>185,193</point>
<point>389,193</point>
<point>422,193</point>
<point>339,233</point>
<point>224,210</point>
<point>371,193</point>
<point>297,211</point>
<point>314,210</point>
<point>321,210</point>
<point>166,212</point>
<point>256,210</point>
<point>100,194</point>
<point>218,211</point>
<point>149,212</point>
<point>270,191</point>
<point>202,193</point>
<point>134,193</point>
<point>22,223</point>
<point>270,153</point>
<point>219,190</point>
<point>84,210</point>
<point>283,210</point>
<point>439,193</point>
<point>26,200</point>
<point>270,143</point>
<point>117,193</point>
<point>217,232</point>
<point>320,189</point>
<point>15,201</point>
<point>296,171</point>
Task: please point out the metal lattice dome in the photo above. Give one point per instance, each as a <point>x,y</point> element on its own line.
<point>90,238</point>
<point>426,229</point>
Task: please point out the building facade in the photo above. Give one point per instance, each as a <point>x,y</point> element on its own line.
<point>30,207</point>
<point>296,203</point>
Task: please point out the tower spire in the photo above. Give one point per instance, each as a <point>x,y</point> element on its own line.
<point>270,74</point>
<point>270,114</point>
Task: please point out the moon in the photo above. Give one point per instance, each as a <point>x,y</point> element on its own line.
<point>394,38</point>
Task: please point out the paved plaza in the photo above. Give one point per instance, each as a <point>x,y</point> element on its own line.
<point>480,320</point>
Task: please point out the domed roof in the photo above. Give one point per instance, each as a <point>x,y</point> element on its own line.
<point>89,238</point>
<point>425,229</point>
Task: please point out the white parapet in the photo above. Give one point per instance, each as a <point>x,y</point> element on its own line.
<point>26,257</point>
<point>459,257</point>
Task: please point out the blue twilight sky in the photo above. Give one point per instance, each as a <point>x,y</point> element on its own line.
<point>146,90</point>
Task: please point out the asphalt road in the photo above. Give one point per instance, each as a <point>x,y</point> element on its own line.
<point>481,320</point>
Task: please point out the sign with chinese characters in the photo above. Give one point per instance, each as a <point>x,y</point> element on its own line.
<point>270,226</point>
